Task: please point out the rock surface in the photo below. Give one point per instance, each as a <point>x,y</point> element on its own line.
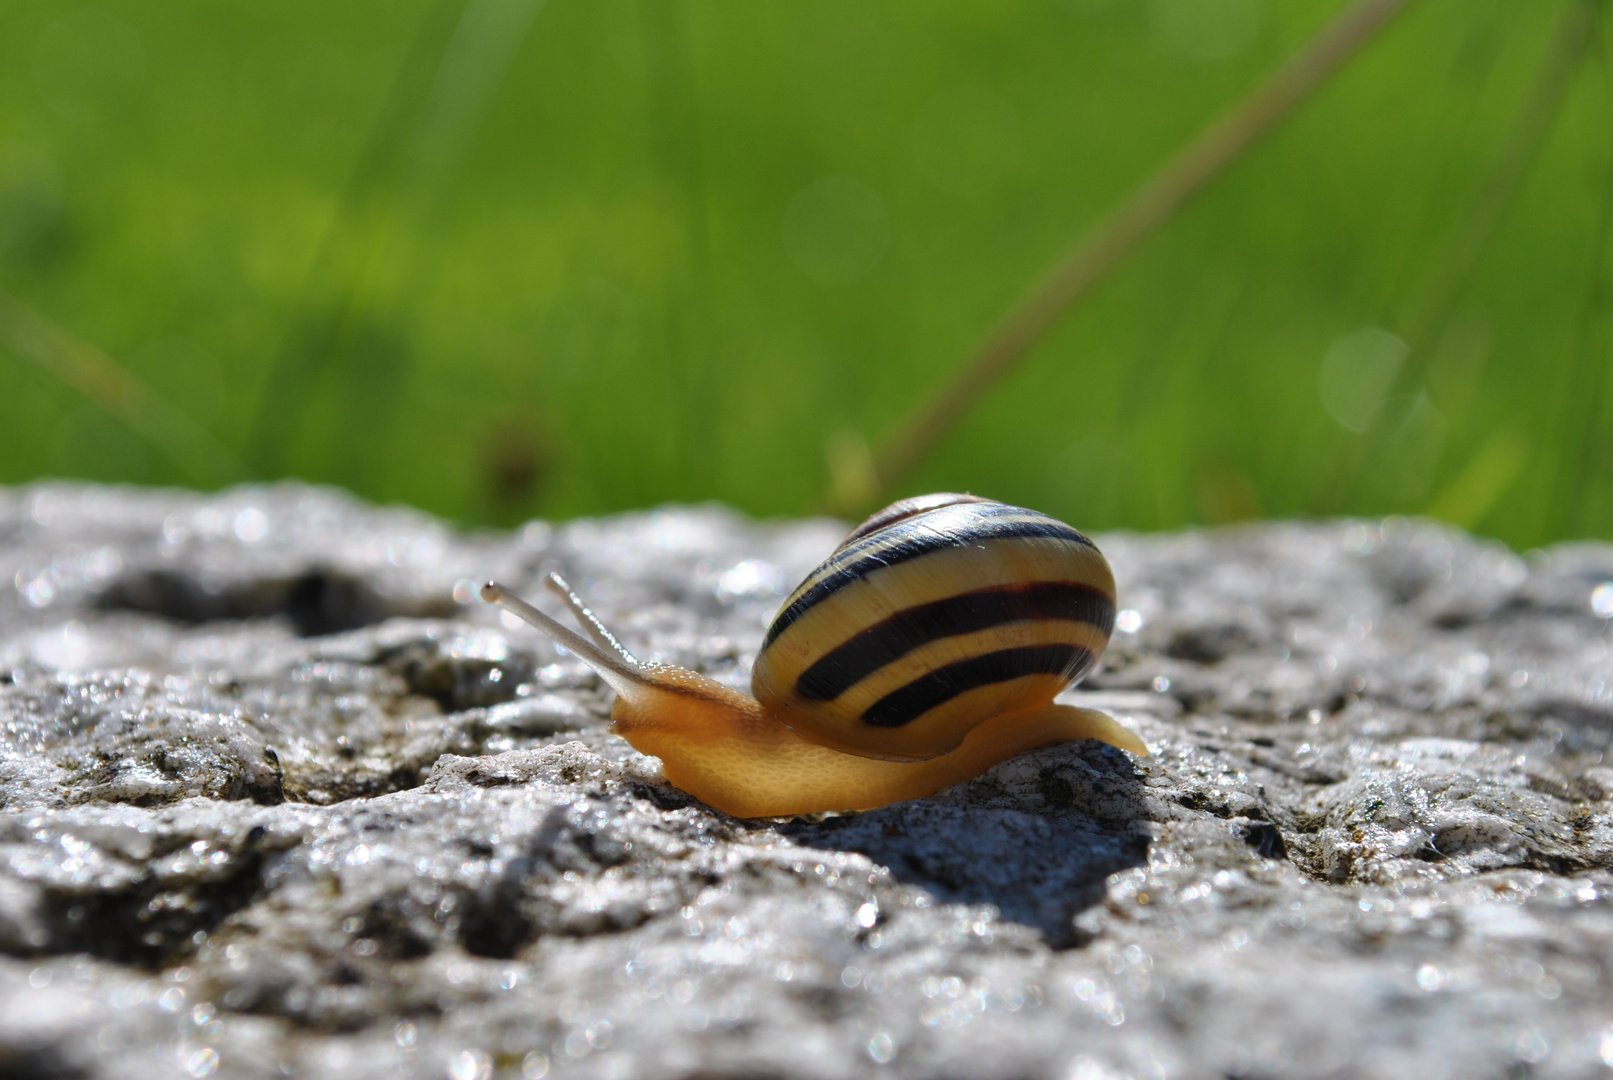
<point>279,799</point>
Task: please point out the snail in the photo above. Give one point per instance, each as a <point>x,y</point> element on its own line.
<point>925,650</point>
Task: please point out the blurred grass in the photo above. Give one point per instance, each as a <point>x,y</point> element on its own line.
<point>510,258</point>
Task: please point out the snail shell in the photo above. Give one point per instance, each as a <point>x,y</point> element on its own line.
<point>926,649</point>
<point>934,615</point>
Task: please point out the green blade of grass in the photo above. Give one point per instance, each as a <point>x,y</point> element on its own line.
<point>101,379</point>
<point>1153,204</point>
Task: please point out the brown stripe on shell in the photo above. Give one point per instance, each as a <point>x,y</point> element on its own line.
<point>894,637</point>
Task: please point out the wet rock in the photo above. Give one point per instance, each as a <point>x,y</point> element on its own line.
<point>277,798</point>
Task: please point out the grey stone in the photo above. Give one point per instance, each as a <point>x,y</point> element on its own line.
<point>277,798</point>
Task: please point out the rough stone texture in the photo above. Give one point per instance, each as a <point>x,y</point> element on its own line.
<point>275,804</point>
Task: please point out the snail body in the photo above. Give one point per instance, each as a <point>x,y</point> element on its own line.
<point>925,650</point>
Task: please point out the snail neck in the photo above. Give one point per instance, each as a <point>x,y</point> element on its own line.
<point>659,707</point>
<point>675,710</point>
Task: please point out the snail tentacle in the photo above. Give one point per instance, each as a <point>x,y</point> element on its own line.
<point>622,674</point>
<point>585,617</point>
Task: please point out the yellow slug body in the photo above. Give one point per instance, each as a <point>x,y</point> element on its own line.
<point>925,650</point>
<point>723,748</point>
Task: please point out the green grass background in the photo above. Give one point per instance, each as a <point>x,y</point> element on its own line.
<point>504,259</point>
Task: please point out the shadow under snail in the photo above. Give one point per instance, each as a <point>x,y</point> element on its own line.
<point>925,650</point>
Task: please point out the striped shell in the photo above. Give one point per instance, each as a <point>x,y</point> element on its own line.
<point>934,615</point>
